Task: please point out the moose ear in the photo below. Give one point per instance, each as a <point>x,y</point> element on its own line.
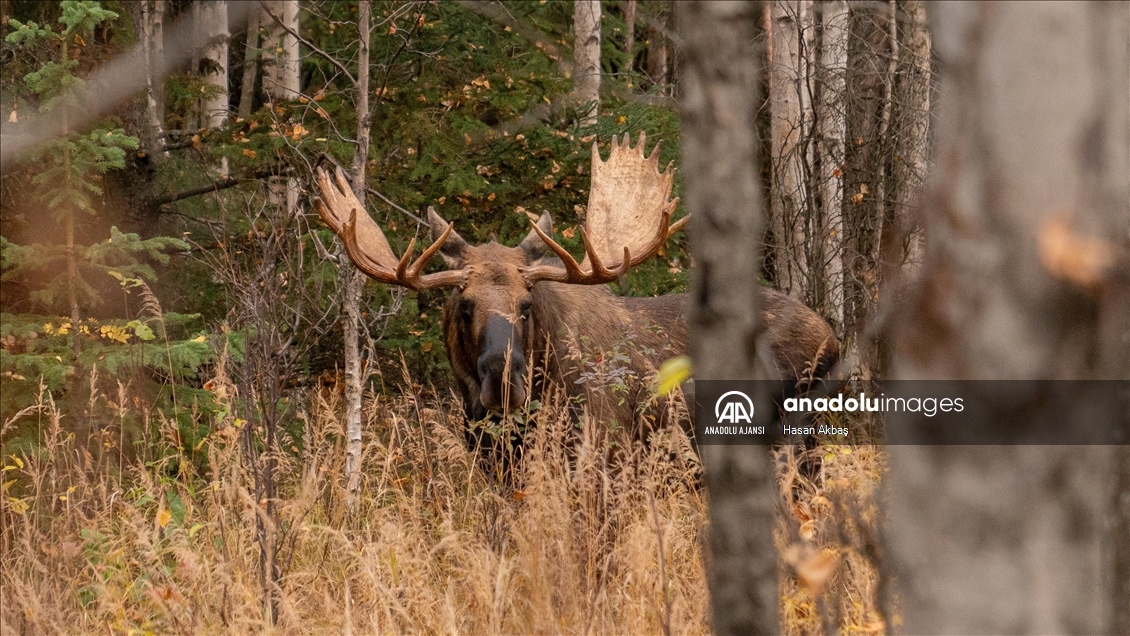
<point>454,247</point>
<point>532,245</point>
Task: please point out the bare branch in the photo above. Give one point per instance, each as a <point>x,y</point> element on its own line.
<point>313,49</point>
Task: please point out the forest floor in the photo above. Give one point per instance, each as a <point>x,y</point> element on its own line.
<point>576,545</point>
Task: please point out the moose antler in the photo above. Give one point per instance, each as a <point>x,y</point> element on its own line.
<point>366,243</point>
<point>628,221</point>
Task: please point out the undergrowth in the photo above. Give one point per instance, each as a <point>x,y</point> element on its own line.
<point>97,541</point>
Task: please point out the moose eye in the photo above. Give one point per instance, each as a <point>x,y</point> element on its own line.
<point>467,308</point>
<point>524,308</point>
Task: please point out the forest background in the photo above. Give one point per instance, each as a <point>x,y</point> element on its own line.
<point>210,422</point>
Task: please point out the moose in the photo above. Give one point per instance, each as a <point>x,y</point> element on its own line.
<point>514,309</point>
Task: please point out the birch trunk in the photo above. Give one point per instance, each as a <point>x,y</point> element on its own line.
<point>719,156</point>
<point>281,78</point>
<point>353,280</point>
<point>280,51</point>
<point>586,59</point>
<point>789,111</point>
<point>212,20</point>
<point>630,32</point>
<point>153,44</point>
<point>1025,277</point>
<point>832,129</point>
<point>250,65</point>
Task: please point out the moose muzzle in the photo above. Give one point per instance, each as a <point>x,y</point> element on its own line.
<point>501,366</point>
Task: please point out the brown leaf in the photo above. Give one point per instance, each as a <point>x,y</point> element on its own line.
<point>814,571</point>
<point>1070,256</point>
<point>570,232</point>
<point>249,153</point>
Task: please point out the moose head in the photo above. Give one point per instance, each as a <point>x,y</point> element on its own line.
<point>491,316</point>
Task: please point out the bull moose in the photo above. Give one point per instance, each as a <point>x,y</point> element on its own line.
<point>512,309</point>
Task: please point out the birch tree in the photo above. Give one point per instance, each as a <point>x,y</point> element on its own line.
<point>790,113</point>
<point>280,61</point>
<point>250,65</point>
<point>153,45</point>
<point>831,124</point>
<point>586,59</point>
<point>1024,277</point>
<point>352,279</point>
<point>722,194</point>
<point>212,21</point>
<point>280,52</point>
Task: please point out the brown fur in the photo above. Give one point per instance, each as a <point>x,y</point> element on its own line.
<point>572,328</point>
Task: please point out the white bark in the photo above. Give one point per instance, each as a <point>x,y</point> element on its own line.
<point>352,278</point>
<point>281,66</point>
<point>250,64</point>
<point>790,125</point>
<point>1027,220</point>
<point>153,44</point>
<point>586,59</point>
<point>280,51</point>
<point>212,21</point>
<point>832,122</point>
<point>718,81</point>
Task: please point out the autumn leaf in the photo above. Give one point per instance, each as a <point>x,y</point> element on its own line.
<point>570,232</point>
<point>249,153</point>
<point>164,517</point>
<point>1070,256</point>
<point>672,373</point>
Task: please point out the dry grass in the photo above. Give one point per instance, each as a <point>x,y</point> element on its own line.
<point>584,545</point>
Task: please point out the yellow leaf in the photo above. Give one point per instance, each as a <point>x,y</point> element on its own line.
<point>672,373</point>
<point>164,517</point>
<point>19,462</point>
<point>249,153</point>
<point>426,347</point>
<point>199,338</point>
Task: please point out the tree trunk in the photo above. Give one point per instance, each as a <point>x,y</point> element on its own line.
<point>630,33</point>
<point>281,78</point>
<point>790,125</point>
<point>586,59</point>
<point>719,150</point>
<point>153,44</point>
<point>657,54</point>
<point>1025,277</point>
<point>353,280</point>
<point>212,19</point>
<point>250,65</point>
<point>280,51</point>
<point>832,129</point>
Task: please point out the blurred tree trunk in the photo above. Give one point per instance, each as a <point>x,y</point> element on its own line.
<point>280,51</point>
<point>153,44</point>
<point>212,20</point>
<point>831,122</point>
<point>353,281</point>
<point>1025,276</point>
<point>630,32</point>
<point>586,59</point>
<point>281,78</point>
<point>657,64</point>
<point>719,159</point>
<point>789,37</point>
<point>250,65</point>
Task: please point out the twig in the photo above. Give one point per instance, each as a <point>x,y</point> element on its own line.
<point>322,54</point>
<point>395,206</point>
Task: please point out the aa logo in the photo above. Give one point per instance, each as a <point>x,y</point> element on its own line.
<point>733,407</point>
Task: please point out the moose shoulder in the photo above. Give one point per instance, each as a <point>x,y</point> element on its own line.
<point>516,309</point>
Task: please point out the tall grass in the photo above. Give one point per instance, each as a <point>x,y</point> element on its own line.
<point>584,541</point>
